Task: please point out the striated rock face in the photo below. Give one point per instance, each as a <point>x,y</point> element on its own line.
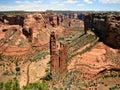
<point>106,26</point>
<point>11,39</point>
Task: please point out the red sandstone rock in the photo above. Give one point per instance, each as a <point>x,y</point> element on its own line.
<point>105,26</point>
<point>63,58</point>
<point>58,57</point>
<point>54,58</point>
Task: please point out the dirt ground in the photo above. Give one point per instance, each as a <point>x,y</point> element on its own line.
<point>35,70</point>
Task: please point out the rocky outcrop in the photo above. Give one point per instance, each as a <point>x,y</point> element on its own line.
<point>63,57</point>
<point>54,20</point>
<point>54,58</point>
<point>58,57</point>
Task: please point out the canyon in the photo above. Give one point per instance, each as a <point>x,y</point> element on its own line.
<point>77,45</point>
<point>29,30</point>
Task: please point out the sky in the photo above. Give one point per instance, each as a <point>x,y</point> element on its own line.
<point>73,5</point>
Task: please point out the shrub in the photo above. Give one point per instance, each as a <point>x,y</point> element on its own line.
<point>36,86</point>
<point>47,70</point>
<point>60,39</point>
<point>6,72</point>
<point>47,77</point>
<point>1,85</point>
<point>17,69</point>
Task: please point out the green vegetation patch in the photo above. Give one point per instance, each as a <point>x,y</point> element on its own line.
<point>60,39</point>
<point>13,84</point>
<point>36,86</point>
<point>39,56</point>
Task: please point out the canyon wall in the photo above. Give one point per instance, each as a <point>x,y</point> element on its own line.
<point>106,26</point>
<point>12,19</point>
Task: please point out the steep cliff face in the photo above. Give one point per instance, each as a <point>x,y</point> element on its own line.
<point>113,32</point>
<point>12,20</point>
<point>106,26</point>
<point>87,23</point>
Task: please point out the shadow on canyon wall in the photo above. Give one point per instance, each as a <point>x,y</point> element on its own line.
<point>105,26</point>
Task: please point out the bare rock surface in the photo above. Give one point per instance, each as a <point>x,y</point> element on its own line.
<point>95,61</point>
